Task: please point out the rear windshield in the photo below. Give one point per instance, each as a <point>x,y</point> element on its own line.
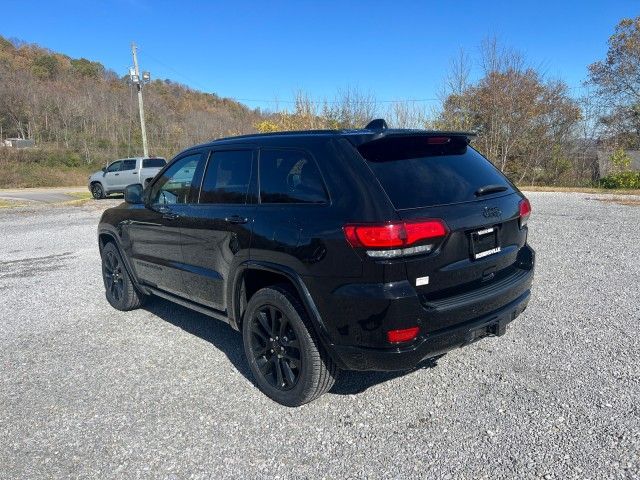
<point>423,171</point>
<point>153,163</point>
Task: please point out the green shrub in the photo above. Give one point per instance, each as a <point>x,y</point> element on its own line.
<point>626,179</point>
<point>622,176</point>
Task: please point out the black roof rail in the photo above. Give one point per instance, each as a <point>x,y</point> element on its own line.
<point>375,129</point>
<point>280,133</point>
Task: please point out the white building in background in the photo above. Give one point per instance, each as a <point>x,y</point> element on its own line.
<point>605,166</point>
<point>18,143</point>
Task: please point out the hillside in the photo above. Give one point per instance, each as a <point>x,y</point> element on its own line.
<point>81,114</point>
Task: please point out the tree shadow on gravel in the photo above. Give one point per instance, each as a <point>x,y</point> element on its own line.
<point>228,341</point>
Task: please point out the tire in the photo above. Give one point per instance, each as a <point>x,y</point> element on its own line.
<point>284,355</point>
<point>97,191</point>
<point>119,289</point>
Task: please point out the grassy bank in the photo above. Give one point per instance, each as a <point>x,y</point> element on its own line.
<point>539,188</point>
<point>16,175</point>
<point>43,168</point>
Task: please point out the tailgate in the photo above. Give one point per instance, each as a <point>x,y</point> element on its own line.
<point>480,254</point>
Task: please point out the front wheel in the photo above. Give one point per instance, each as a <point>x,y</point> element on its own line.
<point>97,191</point>
<point>286,359</point>
<point>119,289</point>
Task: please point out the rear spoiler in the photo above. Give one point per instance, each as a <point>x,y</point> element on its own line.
<point>359,137</point>
<point>378,129</point>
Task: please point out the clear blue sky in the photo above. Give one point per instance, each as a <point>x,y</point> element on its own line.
<point>265,50</point>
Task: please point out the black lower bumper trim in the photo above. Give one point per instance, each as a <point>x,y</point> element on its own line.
<point>433,344</point>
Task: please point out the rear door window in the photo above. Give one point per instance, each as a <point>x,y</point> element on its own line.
<point>424,171</point>
<point>129,165</point>
<point>227,177</point>
<point>290,176</point>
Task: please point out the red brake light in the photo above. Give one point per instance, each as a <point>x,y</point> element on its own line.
<point>404,335</point>
<point>438,140</point>
<point>398,234</point>
<point>417,231</point>
<point>375,236</point>
<point>525,212</point>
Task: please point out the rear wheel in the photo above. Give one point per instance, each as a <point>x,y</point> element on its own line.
<point>97,191</point>
<point>119,289</point>
<point>289,364</point>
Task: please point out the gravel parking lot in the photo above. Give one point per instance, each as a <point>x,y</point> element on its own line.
<point>87,391</point>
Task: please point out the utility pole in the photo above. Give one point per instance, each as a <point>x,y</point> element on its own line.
<point>138,81</point>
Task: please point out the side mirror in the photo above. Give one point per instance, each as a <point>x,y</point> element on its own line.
<point>104,171</point>
<point>133,194</point>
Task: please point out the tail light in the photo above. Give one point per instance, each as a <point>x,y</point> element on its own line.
<point>525,212</point>
<point>438,140</point>
<point>404,335</point>
<point>396,239</point>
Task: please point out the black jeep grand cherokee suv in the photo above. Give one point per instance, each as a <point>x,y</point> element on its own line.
<point>367,249</point>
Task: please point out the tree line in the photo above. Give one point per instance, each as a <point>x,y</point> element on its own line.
<point>534,128</point>
<point>79,106</point>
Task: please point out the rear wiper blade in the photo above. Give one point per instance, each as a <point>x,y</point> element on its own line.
<point>487,189</point>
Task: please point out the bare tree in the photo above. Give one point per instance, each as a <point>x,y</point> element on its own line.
<point>523,121</point>
<point>617,84</point>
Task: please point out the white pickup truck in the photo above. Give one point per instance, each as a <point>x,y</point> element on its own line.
<point>124,172</point>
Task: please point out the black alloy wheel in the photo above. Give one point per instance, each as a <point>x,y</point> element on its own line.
<point>287,361</point>
<point>113,276</point>
<point>275,347</point>
<point>120,291</point>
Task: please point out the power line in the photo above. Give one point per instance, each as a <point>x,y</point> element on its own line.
<point>319,102</point>
<point>275,101</point>
<point>322,102</point>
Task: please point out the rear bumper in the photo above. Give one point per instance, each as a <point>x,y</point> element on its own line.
<point>367,312</point>
<point>431,345</point>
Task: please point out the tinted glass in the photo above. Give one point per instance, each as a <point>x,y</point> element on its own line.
<point>153,163</point>
<point>129,165</point>
<point>227,177</point>
<point>114,167</point>
<point>416,173</point>
<point>289,176</point>
<point>175,184</point>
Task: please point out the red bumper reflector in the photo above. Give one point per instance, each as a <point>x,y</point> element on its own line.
<point>404,335</point>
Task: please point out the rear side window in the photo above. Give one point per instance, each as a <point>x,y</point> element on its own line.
<point>424,171</point>
<point>128,165</point>
<point>290,176</point>
<point>153,163</point>
<point>227,177</point>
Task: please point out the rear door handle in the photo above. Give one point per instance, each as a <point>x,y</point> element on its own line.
<point>236,219</point>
